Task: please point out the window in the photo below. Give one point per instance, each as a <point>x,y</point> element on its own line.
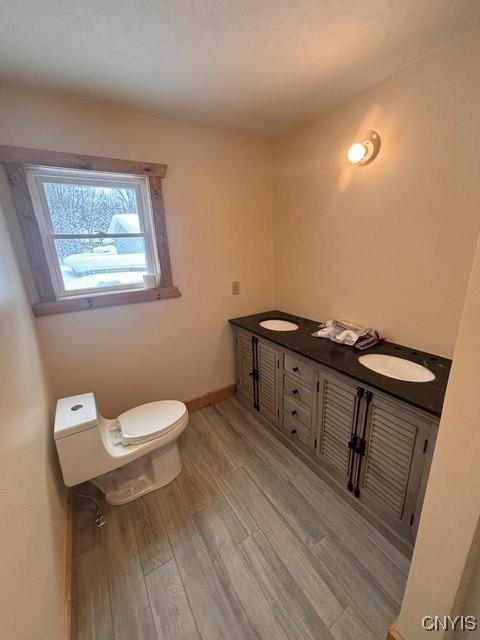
<point>96,228</point>
<point>92,228</point>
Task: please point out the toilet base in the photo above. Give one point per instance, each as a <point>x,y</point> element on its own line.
<point>135,479</point>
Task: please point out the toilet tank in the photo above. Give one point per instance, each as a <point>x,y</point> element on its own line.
<point>78,439</point>
<point>74,414</point>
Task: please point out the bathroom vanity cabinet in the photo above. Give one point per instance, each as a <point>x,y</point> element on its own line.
<point>370,446</point>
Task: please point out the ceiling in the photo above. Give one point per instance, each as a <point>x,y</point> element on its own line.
<point>262,67</point>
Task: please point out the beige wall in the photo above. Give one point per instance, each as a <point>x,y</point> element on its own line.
<point>467,602</point>
<point>388,244</point>
<point>446,552</point>
<point>219,215</point>
<point>32,522</point>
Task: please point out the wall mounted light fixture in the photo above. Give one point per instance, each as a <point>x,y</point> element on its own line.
<point>365,151</point>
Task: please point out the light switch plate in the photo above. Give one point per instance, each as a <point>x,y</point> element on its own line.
<point>235,287</point>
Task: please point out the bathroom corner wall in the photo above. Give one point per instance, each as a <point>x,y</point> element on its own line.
<point>443,577</point>
<point>388,244</point>
<point>32,522</point>
<point>218,202</point>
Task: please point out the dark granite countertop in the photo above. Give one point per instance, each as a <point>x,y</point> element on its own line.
<point>424,395</point>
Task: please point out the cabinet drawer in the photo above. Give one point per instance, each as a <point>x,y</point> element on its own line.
<point>295,409</point>
<point>299,369</point>
<point>296,429</point>
<point>297,391</point>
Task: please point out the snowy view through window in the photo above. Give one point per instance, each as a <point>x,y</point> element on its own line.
<point>92,261</point>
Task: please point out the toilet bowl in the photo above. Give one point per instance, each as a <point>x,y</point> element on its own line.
<point>125,457</point>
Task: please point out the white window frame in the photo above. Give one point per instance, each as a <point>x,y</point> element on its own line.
<point>37,175</point>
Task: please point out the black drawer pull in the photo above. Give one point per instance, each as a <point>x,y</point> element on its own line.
<point>294,412</point>
<point>295,392</point>
<point>294,431</point>
<point>295,369</point>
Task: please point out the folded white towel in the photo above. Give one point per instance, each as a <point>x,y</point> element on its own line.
<point>327,330</point>
<point>347,337</point>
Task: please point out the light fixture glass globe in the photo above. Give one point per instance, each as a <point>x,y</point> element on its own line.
<point>357,152</point>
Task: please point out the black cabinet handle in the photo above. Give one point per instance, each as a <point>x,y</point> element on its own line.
<point>352,443</point>
<point>295,392</point>
<point>295,369</point>
<point>361,445</point>
<point>254,374</point>
<point>294,412</point>
<point>294,431</point>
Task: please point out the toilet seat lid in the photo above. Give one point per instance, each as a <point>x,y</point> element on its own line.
<point>149,421</point>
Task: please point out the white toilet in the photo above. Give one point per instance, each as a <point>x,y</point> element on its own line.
<point>125,457</point>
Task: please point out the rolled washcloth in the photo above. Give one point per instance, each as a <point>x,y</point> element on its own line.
<point>348,333</point>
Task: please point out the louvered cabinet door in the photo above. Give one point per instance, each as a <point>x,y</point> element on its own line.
<point>393,462</point>
<point>336,409</point>
<point>268,381</point>
<point>244,365</point>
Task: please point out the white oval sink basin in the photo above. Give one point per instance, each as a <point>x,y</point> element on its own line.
<point>397,368</point>
<point>278,325</point>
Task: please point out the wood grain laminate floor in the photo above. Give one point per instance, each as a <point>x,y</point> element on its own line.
<point>246,543</point>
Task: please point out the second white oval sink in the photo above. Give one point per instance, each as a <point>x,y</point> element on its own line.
<point>278,325</point>
<point>397,368</point>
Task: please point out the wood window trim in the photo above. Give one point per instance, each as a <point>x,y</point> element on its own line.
<point>13,160</point>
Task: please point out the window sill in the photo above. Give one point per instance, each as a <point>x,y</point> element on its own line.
<point>96,301</point>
